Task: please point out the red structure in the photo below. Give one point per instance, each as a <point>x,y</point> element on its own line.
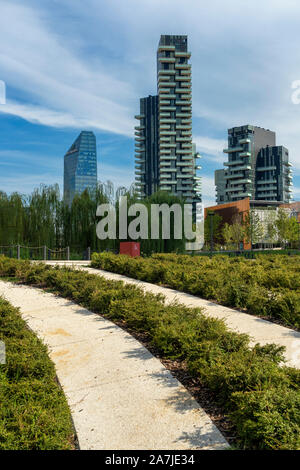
<point>132,249</point>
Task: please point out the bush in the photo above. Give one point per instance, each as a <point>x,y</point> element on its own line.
<point>34,413</point>
<point>267,286</point>
<point>260,396</point>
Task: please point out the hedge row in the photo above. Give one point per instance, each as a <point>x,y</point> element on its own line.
<point>34,414</point>
<point>267,286</point>
<point>261,398</point>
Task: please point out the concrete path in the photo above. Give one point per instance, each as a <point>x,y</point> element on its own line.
<point>121,397</point>
<point>261,331</point>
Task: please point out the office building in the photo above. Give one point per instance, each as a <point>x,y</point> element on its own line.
<point>80,166</point>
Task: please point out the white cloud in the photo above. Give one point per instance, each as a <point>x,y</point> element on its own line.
<point>86,64</point>
<point>212,147</point>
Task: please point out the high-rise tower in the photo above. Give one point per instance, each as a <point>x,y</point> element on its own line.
<point>80,166</point>
<point>256,167</point>
<point>165,156</point>
<point>176,157</point>
<point>146,147</point>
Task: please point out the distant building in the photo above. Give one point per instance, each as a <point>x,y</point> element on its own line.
<point>266,211</point>
<point>256,167</point>
<point>80,166</point>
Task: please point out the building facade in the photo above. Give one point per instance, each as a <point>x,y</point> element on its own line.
<point>273,175</point>
<point>146,147</point>
<point>165,156</point>
<point>80,166</point>
<point>254,163</point>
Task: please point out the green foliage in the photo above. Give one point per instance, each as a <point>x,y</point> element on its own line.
<point>34,414</point>
<point>260,396</point>
<point>43,219</point>
<point>216,228</point>
<point>267,286</point>
<point>234,233</point>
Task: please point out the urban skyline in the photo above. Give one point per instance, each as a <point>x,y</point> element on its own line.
<point>46,109</point>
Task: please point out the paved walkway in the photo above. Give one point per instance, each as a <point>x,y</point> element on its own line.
<point>261,331</point>
<point>121,397</point>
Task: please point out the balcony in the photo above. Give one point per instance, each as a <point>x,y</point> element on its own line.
<point>167,84</point>
<point>139,116</point>
<point>183,66</point>
<point>183,127</point>
<point>183,102</point>
<point>182,54</point>
<point>182,90</point>
<point>164,96</point>
<point>183,152</point>
<point>245,154</point>
<point>167,108</point>
<point>237,175</point>
<point>166,48</point>
<point>180,78</point>
<point>167,170</point>
<point>264,182</point>
<point>166,132</point>
<point>236,162</point>
<point>167,145</point>
<point>233,149</point>
<point>265,168</point>
<point>167,121</point>
<point>168,60</point>
<point>166,72</point>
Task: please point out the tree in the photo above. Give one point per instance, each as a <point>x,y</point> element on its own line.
<point>216,228</point>
<point>234,233</point>
<point>253,228</point>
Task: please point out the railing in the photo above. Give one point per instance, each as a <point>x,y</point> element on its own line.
<point>42,253</point>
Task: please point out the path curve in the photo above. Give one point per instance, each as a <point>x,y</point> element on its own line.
<point>261,331</point>
<point>120,395</point>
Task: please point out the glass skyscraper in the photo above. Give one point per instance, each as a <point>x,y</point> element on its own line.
<point>80,166</point>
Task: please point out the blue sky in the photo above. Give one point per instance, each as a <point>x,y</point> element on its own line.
<point>71,65</point>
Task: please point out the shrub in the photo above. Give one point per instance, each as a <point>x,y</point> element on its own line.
<point>260,396</point>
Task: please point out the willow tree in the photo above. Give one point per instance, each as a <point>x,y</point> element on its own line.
<point>43,217</point>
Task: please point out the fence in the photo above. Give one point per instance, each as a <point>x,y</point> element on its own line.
<point>42,253</point>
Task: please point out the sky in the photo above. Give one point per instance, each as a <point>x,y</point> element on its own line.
<point>71,65</point>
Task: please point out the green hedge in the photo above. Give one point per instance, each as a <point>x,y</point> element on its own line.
<point>267,286</point>
<point>261,398</point>
<point>34,414</point>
